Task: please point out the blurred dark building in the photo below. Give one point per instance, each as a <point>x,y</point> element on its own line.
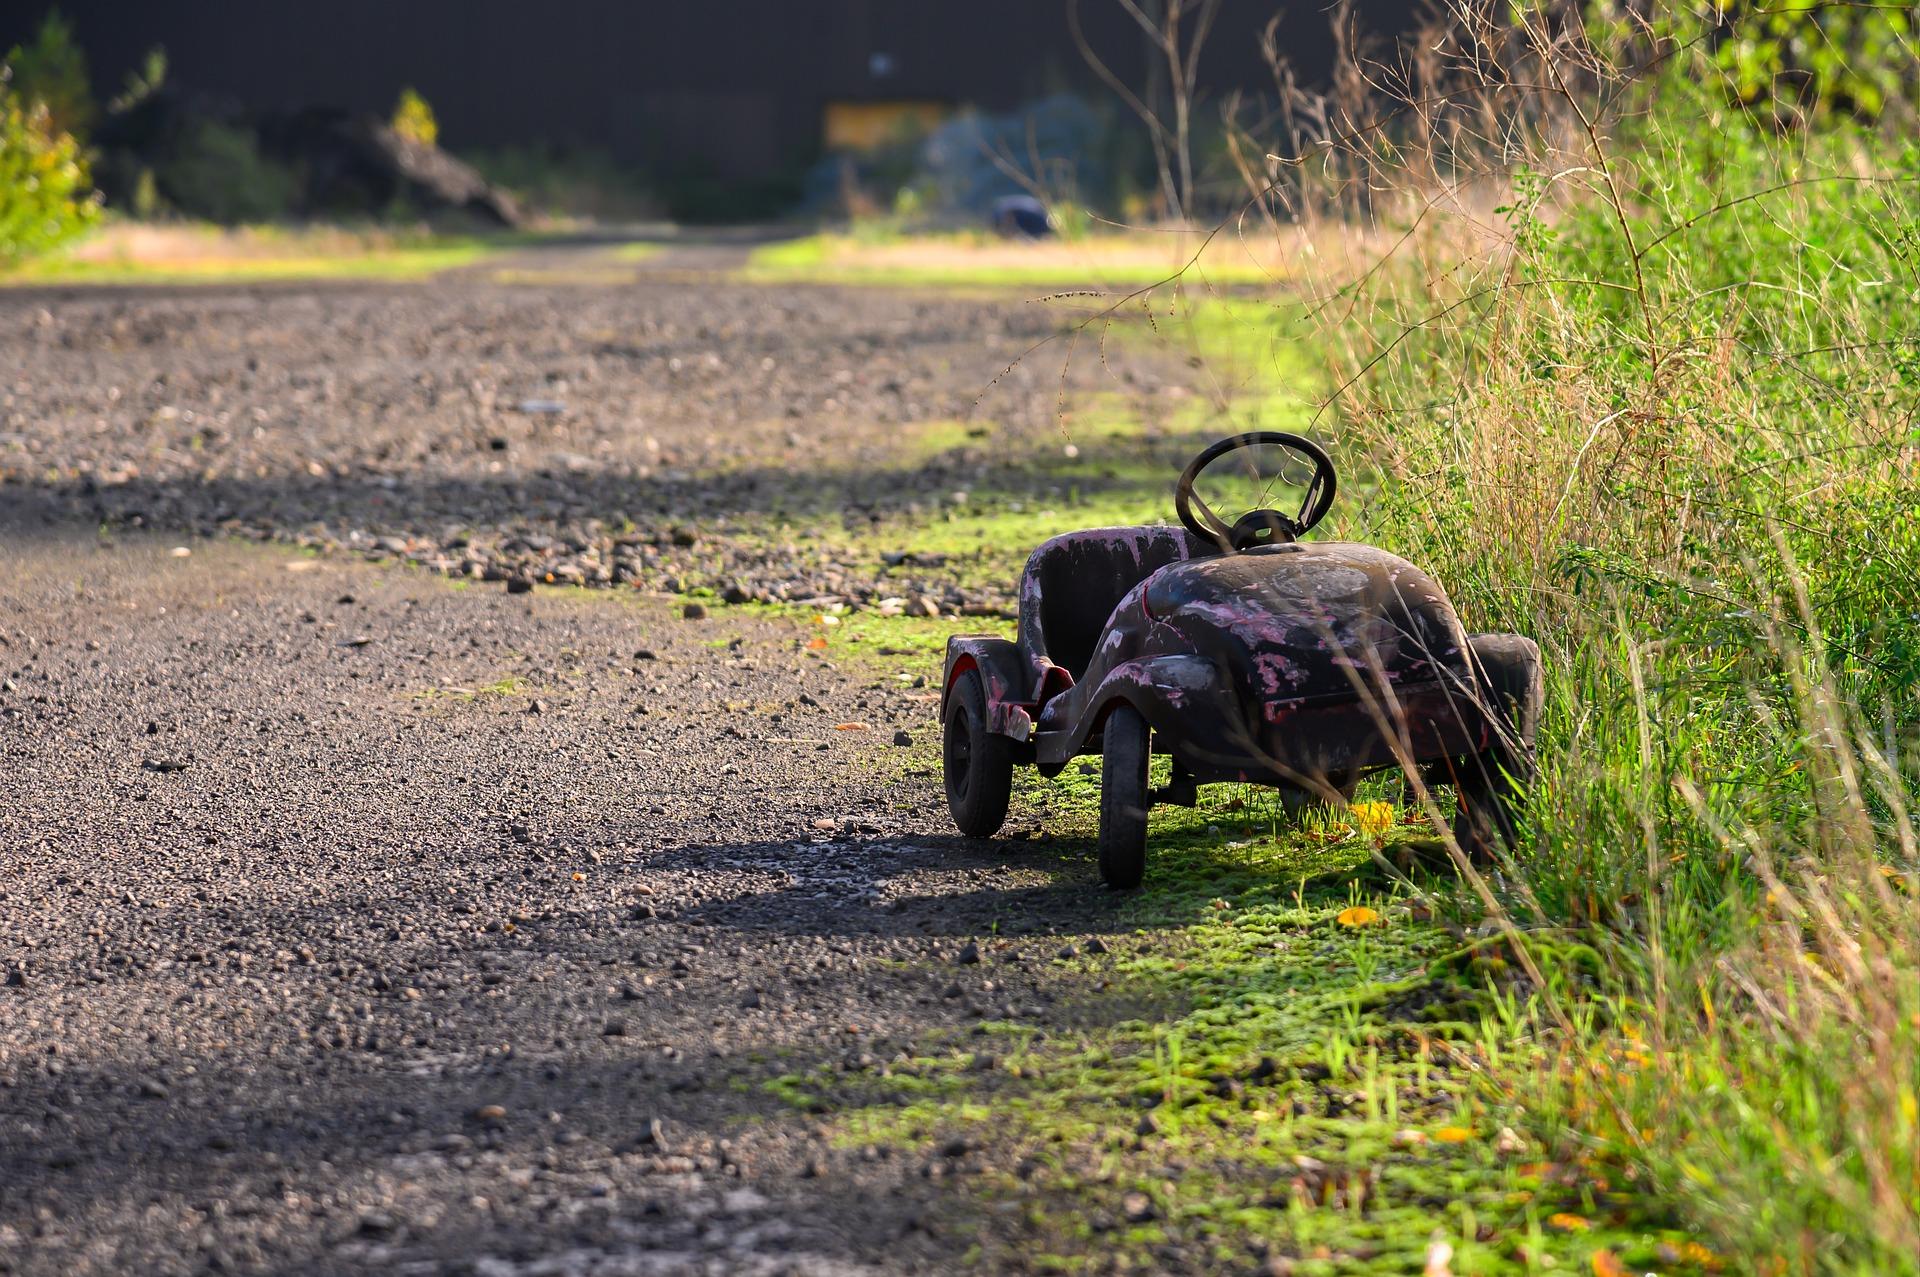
<point>733,89</point>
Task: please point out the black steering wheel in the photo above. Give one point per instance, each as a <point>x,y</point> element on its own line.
<point>1262,525</point>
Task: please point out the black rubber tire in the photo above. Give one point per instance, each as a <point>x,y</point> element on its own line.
<point>1123,798</point>
<point>1486,784</point>
<point>978,764</point>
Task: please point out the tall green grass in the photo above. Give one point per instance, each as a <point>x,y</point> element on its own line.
<point>1639,374</point>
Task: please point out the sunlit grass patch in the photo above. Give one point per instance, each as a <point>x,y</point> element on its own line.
<point>977,260</point>
<point>132,253</point>
<point>1244,1070</point>
<point>1246,1075</point>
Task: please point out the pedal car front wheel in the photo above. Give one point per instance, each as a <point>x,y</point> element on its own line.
<point>978,763</point>
<point>1123,798</point>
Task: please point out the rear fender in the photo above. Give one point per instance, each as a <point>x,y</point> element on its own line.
<point>1006,676</point>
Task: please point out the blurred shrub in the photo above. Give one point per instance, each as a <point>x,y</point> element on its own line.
<point>52,71</point>
<point>217,170</point>
<point>413,119</point>
<point>145,201</point>
<point>46,198</point>
<point>568,182</point>
<point>709,199</point>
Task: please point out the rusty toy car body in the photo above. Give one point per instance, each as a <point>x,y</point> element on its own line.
<point>1248,655</point>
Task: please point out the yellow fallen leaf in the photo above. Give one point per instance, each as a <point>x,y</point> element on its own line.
<point>1371,819</point>
<point>1356,916</point>
<point>1568,1223</point>
<point>1453,1135</point>
<point>1607,1264</point>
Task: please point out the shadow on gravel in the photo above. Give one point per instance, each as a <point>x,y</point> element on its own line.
<point>747,526</point>
<point>416,495</point>
<point>921,885</point>
<point>356,1167</point>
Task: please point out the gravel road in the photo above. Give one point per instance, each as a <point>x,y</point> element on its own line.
<point>626,433</point>
<point>351,920</point>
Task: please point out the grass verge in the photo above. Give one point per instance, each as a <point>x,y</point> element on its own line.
<point>1641,386</point>
<point>131,254</point>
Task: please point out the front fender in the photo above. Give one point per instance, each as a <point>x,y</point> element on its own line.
<point>1186,699</point>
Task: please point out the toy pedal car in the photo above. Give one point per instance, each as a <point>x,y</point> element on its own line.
<point>1248,655</point>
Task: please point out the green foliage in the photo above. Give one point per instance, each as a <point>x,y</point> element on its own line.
<point>143,81</point>
<point>413,119</point>
<point>51,71</point>
<point>218,172</point>
<point>46,198</point>
<point>1810,57</point>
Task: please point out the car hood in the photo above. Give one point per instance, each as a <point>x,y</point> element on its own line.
<point>1309,618</point>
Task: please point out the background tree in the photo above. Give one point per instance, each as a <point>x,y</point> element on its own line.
<point>1175,30</point>
<point>51,71</point>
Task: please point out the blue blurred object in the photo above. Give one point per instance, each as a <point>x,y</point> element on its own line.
<point>972,162</point>
<point>1021,217</point>
<point>966,160</point>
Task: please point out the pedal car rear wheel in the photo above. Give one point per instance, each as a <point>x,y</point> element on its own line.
<point>1487,783</point>
<point>1123,799</point>
<point>978,763</point>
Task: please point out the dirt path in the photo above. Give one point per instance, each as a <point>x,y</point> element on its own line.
<point>358,922</point>
<point>595,433</point>
<point>352,921</point>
